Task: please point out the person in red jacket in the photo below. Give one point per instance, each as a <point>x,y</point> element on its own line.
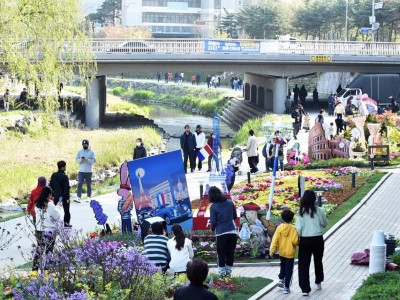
<point>35,193</point>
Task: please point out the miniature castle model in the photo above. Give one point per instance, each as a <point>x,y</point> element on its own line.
<point>321,148</point>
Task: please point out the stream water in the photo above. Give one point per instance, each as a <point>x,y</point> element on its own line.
<point>173,121</point>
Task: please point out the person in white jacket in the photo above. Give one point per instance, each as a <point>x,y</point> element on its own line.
<point>200,143</point>
<point>46,224</point>
<point>252,152</point>
<point>85,158</point>
<point>180,250</point>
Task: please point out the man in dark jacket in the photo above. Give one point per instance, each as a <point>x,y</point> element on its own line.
<point>296,92</point>
<point>188,146</point>
<point>59,182</point>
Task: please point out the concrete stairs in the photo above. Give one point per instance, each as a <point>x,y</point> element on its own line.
<point>239,111</point>
<point>74,115</point>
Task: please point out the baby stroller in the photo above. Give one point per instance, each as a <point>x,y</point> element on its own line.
<point>236,159</point>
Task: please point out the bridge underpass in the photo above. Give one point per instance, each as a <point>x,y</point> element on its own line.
<point>266,71</point>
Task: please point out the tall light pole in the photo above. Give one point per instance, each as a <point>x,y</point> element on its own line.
<point>373,21</point>
<point>347,20</point>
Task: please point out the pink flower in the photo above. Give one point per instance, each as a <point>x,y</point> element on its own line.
<point>204,244</point>
<point>238,246</point>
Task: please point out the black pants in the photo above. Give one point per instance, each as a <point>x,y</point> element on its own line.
<point>67,214</point>
<point>226,245</point>
<point>189,155</point>
<point>199,164</point>
<point>252,163</point>
<point>296,129</point>
<point>314,246</point>
<point>286,271</point>
<point>45,244</point>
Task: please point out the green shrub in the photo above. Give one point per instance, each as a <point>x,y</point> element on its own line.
<point>379,286</point>
<point>119,91</point>
<point>142,95</point>
<point>396,258</point>
<point>329,163</point>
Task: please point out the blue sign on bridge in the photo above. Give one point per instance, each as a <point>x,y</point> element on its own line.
<point>231,46</point>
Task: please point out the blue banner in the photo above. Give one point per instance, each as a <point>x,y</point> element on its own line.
<point>231,46</point>
<point>159,189</point>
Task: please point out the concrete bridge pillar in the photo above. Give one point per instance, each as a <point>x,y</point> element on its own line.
<point>95,101</point>
<point>266,92</point>
<point>279,97</point>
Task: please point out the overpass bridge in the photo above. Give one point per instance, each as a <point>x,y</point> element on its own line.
<point>267,64</point>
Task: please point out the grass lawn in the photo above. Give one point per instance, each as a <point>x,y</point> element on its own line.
<point>250,288</point>
<point>345,207</point>
<point>36,154</point>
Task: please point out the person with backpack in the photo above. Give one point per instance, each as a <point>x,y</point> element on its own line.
<point>268,155</point>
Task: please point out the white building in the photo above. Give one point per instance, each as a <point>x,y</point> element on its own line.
<point>91,6</point>
<point>178,18</point>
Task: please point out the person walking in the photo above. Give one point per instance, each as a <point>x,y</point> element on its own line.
<point>198,77</point>
<point>285,241</point>
<point>158,76</point>
<point>315,98</point>
<point>188,146</point>
<point>303,94</point>
<point>296,115</point>
<point>85,158</point>
<point>35,193</point>
<point>59,183</point>
<point>200,143</point>
<point>310,221</point>
<point>331,105</point>
<point>140,150</point>
<point>6,99</point>
<point>210,142</point>
<point>252,152</point>
<point>288,105</point>
<point>296,92</point>
<point>222,220</point>
<point>208,80</point>
<point>339,110</point>
<point>46,224</point>
<point>193,79</point>
<point>166,77</point>
<point>180,250</point>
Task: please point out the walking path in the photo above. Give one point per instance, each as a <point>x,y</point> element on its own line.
<point>380,212</point>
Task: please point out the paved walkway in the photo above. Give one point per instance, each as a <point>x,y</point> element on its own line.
<point>380,212</point>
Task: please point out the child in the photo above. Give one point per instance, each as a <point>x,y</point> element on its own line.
<point>285,240</point>
<point>306,124</point>
<point>331,131</point>
<point>125,210</point>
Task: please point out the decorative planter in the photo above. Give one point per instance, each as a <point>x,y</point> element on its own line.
<point>374,131</point>
<point>358,155</point>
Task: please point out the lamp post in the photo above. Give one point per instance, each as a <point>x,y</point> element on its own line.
<point>347,20</point>
<point>372,157</point>
<point>276,140</point>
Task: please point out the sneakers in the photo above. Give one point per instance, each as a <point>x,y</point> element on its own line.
<point>319,286</point>
<point>77,200</point>
<point>281,283</point>
<point>286,290</point>
<point>305,294</point>
<point>66,225</point>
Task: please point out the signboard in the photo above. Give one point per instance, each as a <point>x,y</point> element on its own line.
<point>160,190</point>
<point>321,58</point>
<point>375,26</point>
<point>372,19</point>
<point>228,46</point>
<point>378,5</point>
<point>365,30</point>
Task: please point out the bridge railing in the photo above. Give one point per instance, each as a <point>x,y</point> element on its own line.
<point>265,47</point>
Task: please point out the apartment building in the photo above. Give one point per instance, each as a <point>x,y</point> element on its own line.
<point>178,18</point>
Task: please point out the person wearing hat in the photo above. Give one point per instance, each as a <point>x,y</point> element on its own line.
<point>59,183</point>
<point>35,193</point>
<point>200,143</point>
<point>85,158</point>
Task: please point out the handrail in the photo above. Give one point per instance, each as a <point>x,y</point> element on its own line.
<point>202,46</point>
